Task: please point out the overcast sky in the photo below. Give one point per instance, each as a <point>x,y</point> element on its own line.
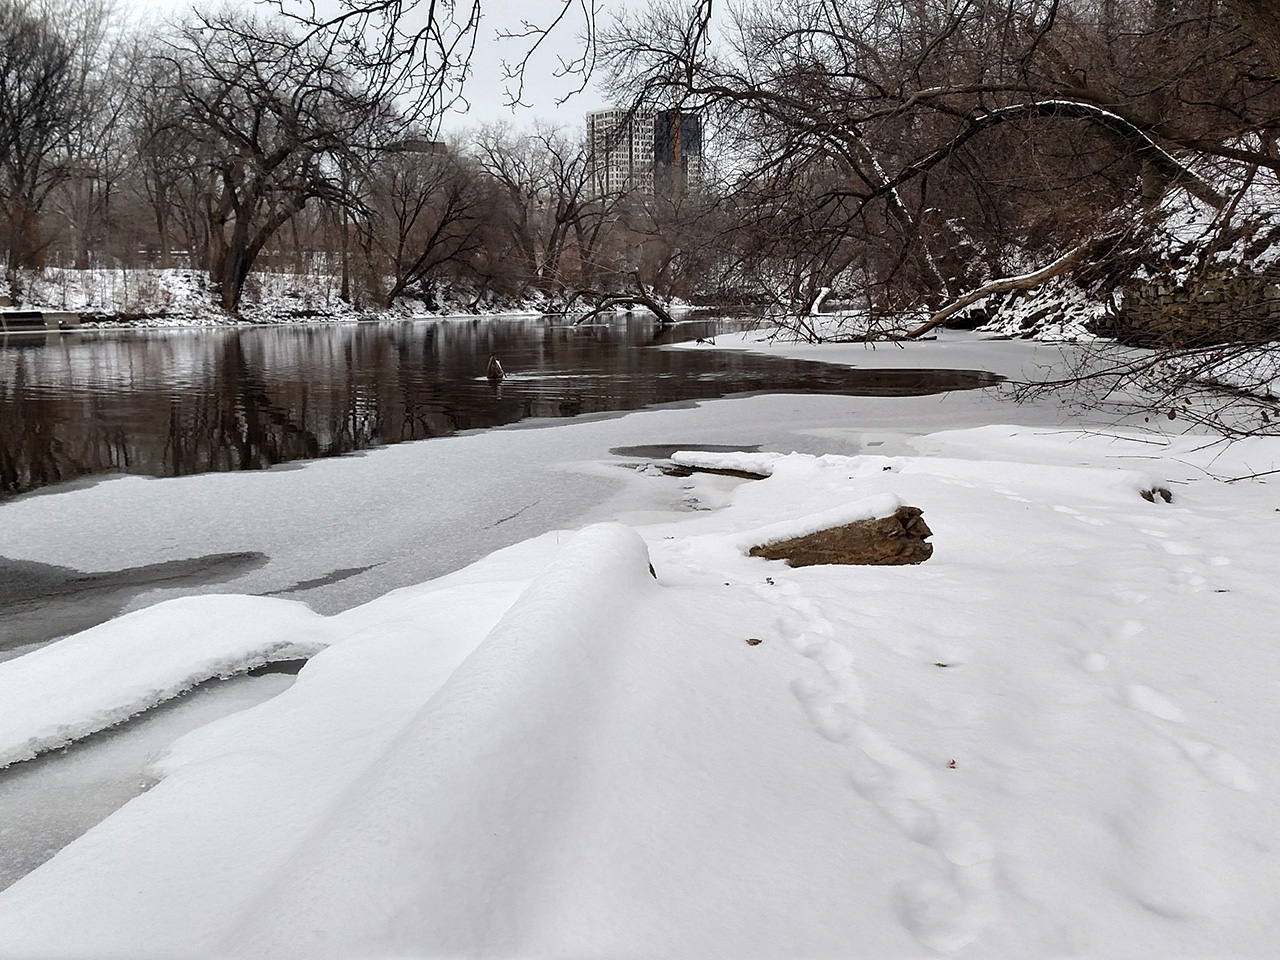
<point>485,88</point>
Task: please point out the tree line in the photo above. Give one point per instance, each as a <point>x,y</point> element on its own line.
<point>909,156</point>
<point>918,152</point>
<point>233,143</point>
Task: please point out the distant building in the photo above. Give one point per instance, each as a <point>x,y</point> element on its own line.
<point>418,145</point>
<point>621,151</point>
<point>648,153</point>
<point>677,151</point>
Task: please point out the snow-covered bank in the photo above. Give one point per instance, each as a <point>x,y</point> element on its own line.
<point>950,350</point>
<point>181,297</point>
<point>106,674</point>
<point>1056,737</point>
<point>185,297</point>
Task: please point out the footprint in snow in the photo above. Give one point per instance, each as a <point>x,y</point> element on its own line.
<point>1126,630</point>
<point>944,912</point>
<point>1094,662</point>
<point>1219,766</point>
<point>834,698</point>
<point>827,712</point>
<point>1141,697</point>
<point>1173,854</point>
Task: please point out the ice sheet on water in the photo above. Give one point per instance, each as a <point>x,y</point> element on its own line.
<point>101,676</point>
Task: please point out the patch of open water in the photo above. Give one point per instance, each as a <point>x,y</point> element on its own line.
<point>184,401</point>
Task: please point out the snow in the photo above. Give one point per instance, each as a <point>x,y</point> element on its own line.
<point>46,804</point>
<point>1250,369</point>
<point>154,297</point>
<point>760,464</point>
<point>97,678</point>
<point>1054,737</point>
<point>1057,310</point>
<point>867,508</point>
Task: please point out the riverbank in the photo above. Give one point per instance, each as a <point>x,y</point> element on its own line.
<point>150,298</point>
<point>1041,741</point>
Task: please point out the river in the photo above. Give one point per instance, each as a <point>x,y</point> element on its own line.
<point>175,402</point>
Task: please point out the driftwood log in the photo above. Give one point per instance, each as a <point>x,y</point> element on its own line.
<point>898,539</point>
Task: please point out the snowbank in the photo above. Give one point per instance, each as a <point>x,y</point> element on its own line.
<point>97,678</point>
<point>868,508</point>
<point>512,735</point>
<point>153,297</point>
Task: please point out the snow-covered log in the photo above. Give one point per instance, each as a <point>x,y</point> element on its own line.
<point>1023,281</point>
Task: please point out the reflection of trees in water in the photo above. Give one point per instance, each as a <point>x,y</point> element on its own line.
<point>183,402</point>
<point>189,402</point>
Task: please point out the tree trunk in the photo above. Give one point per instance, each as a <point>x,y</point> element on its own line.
<point>1004,285</point>
<point>235,264</point>
<point>1261,20</point>
<point>345,295</point>
<point>162,230</point>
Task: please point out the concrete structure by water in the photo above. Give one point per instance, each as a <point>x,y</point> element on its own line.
<point>18,321</point>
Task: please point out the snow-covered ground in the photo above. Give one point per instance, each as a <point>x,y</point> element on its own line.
<point>1057,737</point>
<point>184,297</point>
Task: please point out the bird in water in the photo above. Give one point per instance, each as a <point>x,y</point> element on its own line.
<point>494,371</point>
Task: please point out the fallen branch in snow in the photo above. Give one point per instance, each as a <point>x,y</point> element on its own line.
<point>1251,476</point>
<point>607,301</point>
<point>1022,282</point>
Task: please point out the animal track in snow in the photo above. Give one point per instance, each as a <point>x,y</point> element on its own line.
<point>1126,630</point>
<point>944,913</point>
<point>1143,698</point>
<point>1173,857</point>
<point>1219,766</point>
<point>834,699</point>
<point>1094,662</point>
<point>827,713</point>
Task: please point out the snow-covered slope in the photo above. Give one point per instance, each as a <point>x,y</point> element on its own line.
<point>1056,737</point>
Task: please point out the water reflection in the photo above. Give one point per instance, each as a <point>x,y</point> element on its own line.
<point>174,402</point>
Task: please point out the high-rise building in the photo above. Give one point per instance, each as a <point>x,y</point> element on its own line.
<point>677,151</point>
<point>654,152</point>
<point>621,151</point>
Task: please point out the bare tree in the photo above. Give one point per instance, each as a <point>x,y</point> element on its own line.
<point>277,116</point>
<point>429,212</point>
<point>38,113</point>
<point>934,131</point>
<point>542,176</point>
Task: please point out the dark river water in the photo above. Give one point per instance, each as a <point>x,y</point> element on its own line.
<point>183,401</point>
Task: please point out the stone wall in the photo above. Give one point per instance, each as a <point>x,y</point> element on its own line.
<point>1218,308</point>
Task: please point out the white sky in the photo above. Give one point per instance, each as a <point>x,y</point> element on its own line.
<point>485,88</point>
